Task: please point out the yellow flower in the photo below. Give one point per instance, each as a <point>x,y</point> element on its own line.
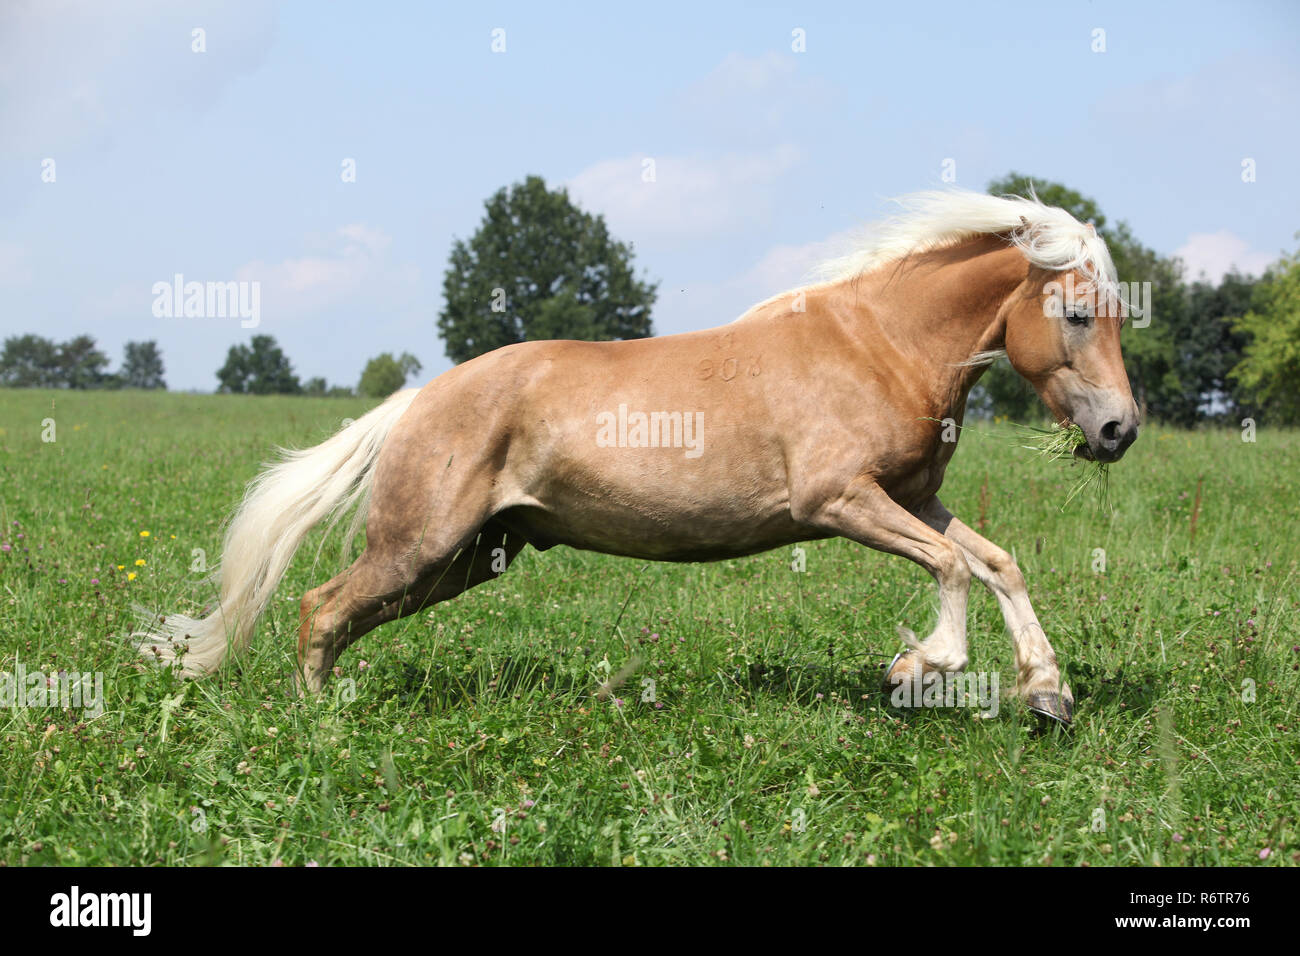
<point>173,537</point>
<point>144,534</point>
<point>139,562</point>
<point>121,567</point>
<point>130,576</point>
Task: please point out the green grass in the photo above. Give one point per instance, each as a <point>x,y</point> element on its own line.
<point>768,742</point>
<point>1059,443</point>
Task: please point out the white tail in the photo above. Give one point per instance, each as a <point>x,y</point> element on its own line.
<point>281,505</point>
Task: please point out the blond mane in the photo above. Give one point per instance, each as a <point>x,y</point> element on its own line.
<point>1048,236</point>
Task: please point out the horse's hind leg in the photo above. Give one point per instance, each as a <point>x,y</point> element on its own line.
<point>379,588</point>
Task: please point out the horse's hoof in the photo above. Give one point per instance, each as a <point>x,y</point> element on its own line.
<point>896,674</point>
<point>1051,707</point>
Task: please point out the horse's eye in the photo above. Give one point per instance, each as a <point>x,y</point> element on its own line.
<point>1077,315</point>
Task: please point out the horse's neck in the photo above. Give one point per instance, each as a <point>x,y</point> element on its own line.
<point>939,309</point>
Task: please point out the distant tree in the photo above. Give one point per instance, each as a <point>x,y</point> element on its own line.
<point>259,368</point>
<point>1270,368</point>
<point>82,365</point>
<point>1213,346</point>
<point>30,361</point>
<point>540,268</point>
<point>1002,391</point>
<point>384,374</point>
<point>319,388</point>
<point>142,366</point>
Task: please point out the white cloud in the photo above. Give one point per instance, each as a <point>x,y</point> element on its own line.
<point>746,97</point>
<point>1216,253</point>
<point>353,260</point>
<point>703,305</point>
<point>74,72</point>
<point>691,196</point>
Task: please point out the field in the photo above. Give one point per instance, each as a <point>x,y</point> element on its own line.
<point>473,733</point>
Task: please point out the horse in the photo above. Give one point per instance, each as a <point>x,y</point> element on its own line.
<point>818,413</point>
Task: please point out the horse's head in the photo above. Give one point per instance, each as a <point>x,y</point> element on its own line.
<point>1062,334</point>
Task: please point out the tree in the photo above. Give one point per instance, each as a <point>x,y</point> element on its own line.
<point>82,365</point>
<point>142,366</point>
<point>29,361</point>
<point>539,268</point>
<point>384,374</point>
<point>1270,369</point>
<point>259,368</point>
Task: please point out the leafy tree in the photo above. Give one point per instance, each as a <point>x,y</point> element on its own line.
<point>1213,345</point>
<point>82,365</point>
<point>1002,391</point>
<point>539,268</point>
<point>29,361</point>
<point>142,366</point>
<point>259,368</point>
<point>384,374</point>
<point>1270,369</point>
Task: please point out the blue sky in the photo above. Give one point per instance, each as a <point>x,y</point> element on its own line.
<point>225,165</point>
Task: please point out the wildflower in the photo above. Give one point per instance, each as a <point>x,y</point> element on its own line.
<point>139,562</point>
<point>144,534</point>
<point>130,576</point>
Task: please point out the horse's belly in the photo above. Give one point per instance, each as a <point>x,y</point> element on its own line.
<point>637,531</point>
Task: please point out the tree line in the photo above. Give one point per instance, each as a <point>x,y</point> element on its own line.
<point>539,267</point>
<point>31,361</point>
<point>258,368</point>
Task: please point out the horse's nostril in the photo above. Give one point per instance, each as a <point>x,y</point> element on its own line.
<point>1110,433</point>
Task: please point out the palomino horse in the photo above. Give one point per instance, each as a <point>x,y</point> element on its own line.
<point>816,414</point>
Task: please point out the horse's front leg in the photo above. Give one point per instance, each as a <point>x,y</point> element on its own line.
<point>1038,678</point>
<point>865,514</point>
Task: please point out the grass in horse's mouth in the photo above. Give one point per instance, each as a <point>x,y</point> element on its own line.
<point>1068,443</point>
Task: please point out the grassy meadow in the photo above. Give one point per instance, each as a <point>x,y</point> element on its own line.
<point>473,734</point>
